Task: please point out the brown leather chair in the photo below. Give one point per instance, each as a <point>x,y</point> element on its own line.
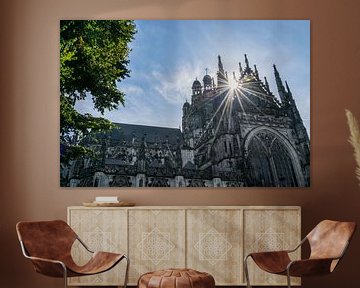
<point>48,245</point>
<point>328,242</point>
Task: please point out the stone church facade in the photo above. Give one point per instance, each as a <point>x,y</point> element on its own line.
<point>235,132</point>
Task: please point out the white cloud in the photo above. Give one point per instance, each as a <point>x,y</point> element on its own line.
<point>175,87</point>
<point>131,89</point>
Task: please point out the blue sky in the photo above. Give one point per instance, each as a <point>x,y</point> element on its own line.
<point>168,55</point>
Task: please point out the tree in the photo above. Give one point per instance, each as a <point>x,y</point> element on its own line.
<point>93,58</point>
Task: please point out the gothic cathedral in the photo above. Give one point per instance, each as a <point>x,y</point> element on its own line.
<point>235,132</point>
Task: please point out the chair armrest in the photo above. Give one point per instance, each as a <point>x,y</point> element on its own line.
<point>309,267</point>
<point>268,253</point>
<point>271,261</point>
<point>49,267</point>
<point>38,259</point>
<point>32,258</point>
<point>298,246</point>
<point>84,245</point>
<point>280,251</point>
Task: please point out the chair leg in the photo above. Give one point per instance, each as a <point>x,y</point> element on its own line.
<point>288,278</point>
<point>126,271</point>
<point>65,275</point>
<point>246,270</point>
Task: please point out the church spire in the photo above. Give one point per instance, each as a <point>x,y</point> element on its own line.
<point>287,87</point>
<point>221,75</point>
<point>256,72</point>
<point>240,69</point>
<point>267,85</point>
<point>220,65</point>
<point>288,92</point>
<point>280,85</point>
<point>246,61</point>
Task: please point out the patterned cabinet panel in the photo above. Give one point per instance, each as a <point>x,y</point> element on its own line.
<point>214,244</point>
<point>267,230</point>
<point>101,230</point>
<point>156,240</point>
<point>210,239</point>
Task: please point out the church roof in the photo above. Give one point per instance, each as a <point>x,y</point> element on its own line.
<point>207,80</point>
<point>153,134</point>
<point>196,84</point>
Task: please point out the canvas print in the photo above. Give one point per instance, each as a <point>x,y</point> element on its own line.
<point>185,103</point>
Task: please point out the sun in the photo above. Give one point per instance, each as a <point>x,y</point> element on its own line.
<point>233,84</point>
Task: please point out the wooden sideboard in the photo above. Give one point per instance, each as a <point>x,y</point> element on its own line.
<point>213,239</point>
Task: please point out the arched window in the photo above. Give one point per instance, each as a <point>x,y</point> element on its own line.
<point>269,161</point>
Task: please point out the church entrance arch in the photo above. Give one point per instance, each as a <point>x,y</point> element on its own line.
<point>271,159</point>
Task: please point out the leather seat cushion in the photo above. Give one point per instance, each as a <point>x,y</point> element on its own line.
<point>176,278</point>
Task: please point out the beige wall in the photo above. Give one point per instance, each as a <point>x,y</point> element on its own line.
<point>29,119</point>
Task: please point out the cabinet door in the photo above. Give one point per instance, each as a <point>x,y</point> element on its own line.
<point>270,230</point>
<point>214,244</point>
<point>101,230</point>
<point>156,240</point>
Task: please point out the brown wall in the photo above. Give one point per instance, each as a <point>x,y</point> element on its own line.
<point>29,119</point>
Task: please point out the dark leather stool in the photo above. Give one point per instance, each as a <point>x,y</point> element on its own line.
<point>176,278</point>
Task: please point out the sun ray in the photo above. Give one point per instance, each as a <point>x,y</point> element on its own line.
<point>223,103</point>
<point>250,102</point>
<point>216,95</point>
<point>230,90</point>
<point>228,100</point>
<point>237,97</point>
<point>258,94</point>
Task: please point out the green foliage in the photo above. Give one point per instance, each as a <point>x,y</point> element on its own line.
<point>93,58</point>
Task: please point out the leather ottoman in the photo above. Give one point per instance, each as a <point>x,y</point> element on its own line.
<point>176,278</point>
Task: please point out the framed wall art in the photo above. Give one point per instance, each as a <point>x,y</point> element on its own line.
<point>185,103</point>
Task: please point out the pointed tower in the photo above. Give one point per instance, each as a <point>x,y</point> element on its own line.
<point>240,69</point>
<point>256,72</point>
<point>186,108</point>
<point>185,116</point>
<point>267,85</point>
<point>294,112</point>
<point>280,86</point>
<point>196,87</point>
<point>247,69</point>
<point>220,65</point>
<point>300,130</point>
<point>207,81</point>
<point>288,92</point>
<point>221,75</point>
<point>246,61</point>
